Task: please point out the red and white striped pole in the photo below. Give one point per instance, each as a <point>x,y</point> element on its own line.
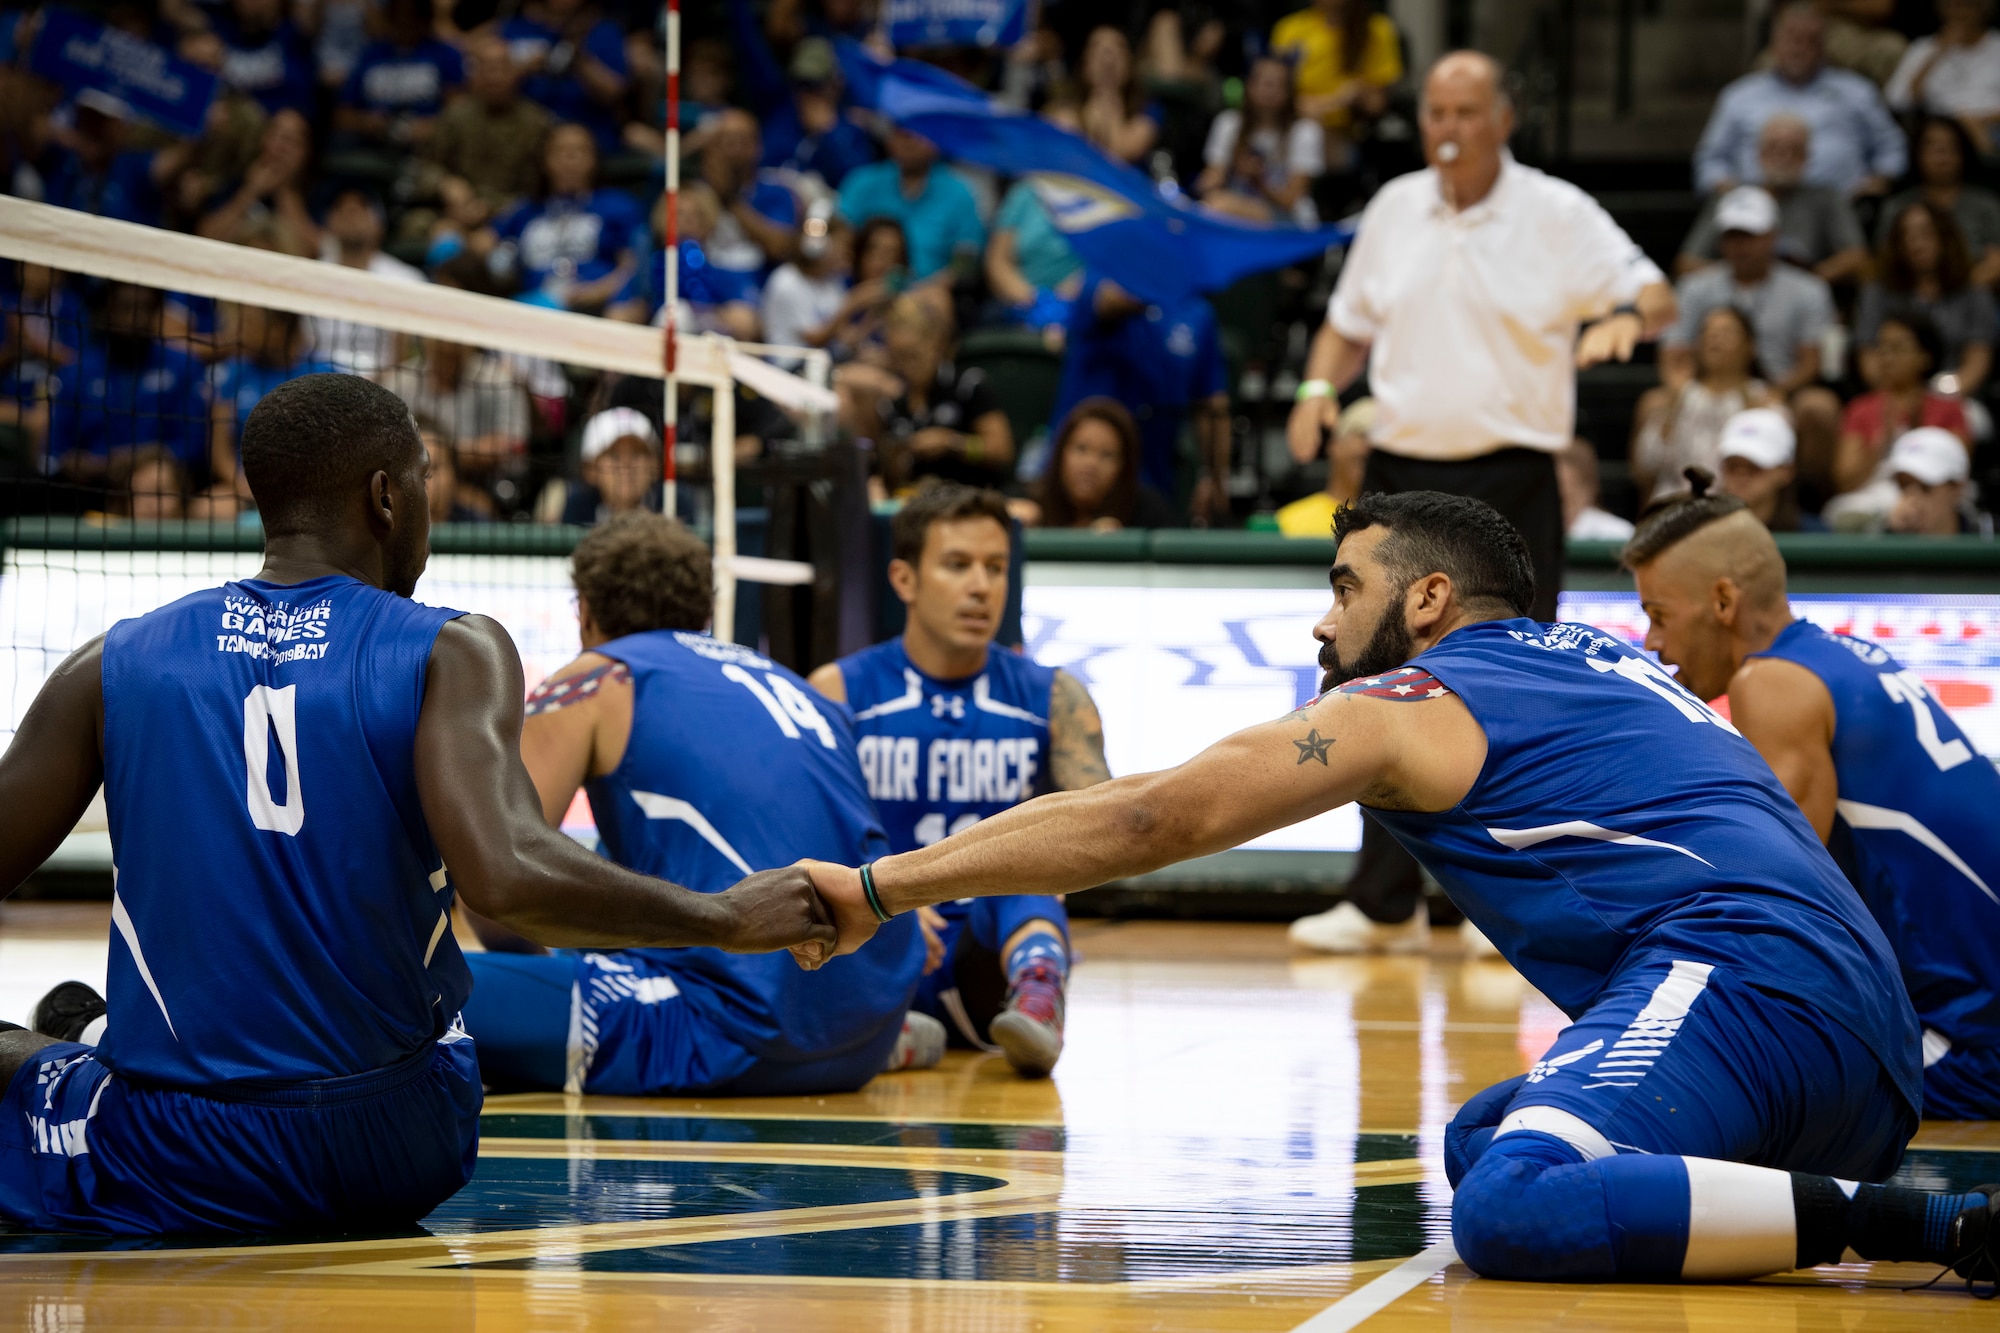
<point>670,417</point>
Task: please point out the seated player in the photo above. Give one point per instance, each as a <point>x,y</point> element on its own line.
<point>953,731</point>
<point>289,763</point>
<point>702,760</point>
<point>1884,776</point>
<point>1742,1052</point>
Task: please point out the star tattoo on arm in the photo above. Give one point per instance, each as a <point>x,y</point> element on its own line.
<point>1314,746</point>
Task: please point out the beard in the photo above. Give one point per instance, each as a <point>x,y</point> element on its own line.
<point>1387,648</point>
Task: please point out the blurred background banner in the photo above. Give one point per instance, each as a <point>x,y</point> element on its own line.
<point>981,23</point>
<point>82,55</point>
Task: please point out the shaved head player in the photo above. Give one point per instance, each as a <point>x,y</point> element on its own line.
<point>300,770</point>
<point>1741,1051</point>
<point>1884,776</point>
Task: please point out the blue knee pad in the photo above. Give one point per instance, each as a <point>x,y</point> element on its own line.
<point>1466,1137</point>
<point>993,920</point>
<point>1531,1210</point>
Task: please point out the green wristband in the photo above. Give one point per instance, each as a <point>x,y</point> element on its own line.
<point>874,899</point>
<point>1314,389</point>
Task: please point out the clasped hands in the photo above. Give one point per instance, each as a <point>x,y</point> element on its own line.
<point>815,909</point>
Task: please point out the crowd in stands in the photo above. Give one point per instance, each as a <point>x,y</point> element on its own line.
<point>1835,289</point>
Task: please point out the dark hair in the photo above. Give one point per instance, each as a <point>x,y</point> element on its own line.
<point>1288,112</point>
<point>1058,510</point>
<point>1356,16</point>
<point>1921,326</point>
<point>1967,153</point>
<point>309,441</point>
<point>1954,260</point>
<point>941,502</point>
<point>1675,522</point>
<point>468,272</point>
<point>1434,533</point>
<point>1755,369</point>
<point>643,571</point>
<point>866,236</point>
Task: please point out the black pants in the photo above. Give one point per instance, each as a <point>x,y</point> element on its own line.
<point>1521,484</point>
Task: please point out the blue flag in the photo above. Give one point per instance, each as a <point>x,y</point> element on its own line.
<point>157,85</point>
<point>1161,249</point>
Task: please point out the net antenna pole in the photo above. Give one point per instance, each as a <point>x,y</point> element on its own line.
<point>670,410</point>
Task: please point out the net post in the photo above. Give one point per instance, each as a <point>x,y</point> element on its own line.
<point>670,411</point>
<point>722,463</point>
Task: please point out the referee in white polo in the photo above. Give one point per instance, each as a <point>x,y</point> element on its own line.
<point>1467,294</point>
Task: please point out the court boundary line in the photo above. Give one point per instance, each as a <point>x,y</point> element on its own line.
<point>1366,1302</point>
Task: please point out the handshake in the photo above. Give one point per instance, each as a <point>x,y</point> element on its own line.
<point>816,909</point>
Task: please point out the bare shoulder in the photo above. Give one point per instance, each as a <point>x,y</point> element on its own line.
<point>587,678</point>
<point>1419,738</point>
<point>1774,697</point>
<point>1076,736</point>
<point>471,645</point>
<point>829,682</point>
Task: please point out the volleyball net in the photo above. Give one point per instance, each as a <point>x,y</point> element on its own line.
<point>130,358</point>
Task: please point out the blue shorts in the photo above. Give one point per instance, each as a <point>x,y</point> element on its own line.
<point>82,1149</point>
<point>969,988</point>
<point>1963,1085</point>
<point>620,1024</point>
<point>1681,1058</point>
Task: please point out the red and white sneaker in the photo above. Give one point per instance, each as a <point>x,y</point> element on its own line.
<point>1030,1029</point>
<point>920,1045</point>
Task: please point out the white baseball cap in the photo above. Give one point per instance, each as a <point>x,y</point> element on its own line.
<point>607,428</point>
<point>1761,436</point>
<point>1747,208</point>
<point>1931,454</point>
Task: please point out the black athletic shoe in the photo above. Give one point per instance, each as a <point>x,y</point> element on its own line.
<point>1975,1244</point>
<point>67,1010</point>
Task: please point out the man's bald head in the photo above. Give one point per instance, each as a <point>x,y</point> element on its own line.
<point>1712,582</point>
<point>1466,119</point>
<point>1471,72</point>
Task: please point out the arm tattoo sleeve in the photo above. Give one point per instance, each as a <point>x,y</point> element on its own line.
<point>1076,736</point>
<point>553,695</point>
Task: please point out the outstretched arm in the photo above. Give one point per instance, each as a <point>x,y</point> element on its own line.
<point>1076,736</point>
<point>1785,711</point>
<point>1401,755</point>
<point>53,766</point>
<point>508,863</point>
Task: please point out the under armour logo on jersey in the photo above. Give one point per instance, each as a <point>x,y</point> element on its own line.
<point>952,706</point>
<point>1543,1068</point>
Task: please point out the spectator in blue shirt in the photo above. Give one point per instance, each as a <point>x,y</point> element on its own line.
<point>127,389</point>
<point>719,300</point>
<point>1165,364</point>
<point>398,86</point>
<point>575,64</point>
<point>1857,148</point>
<point>88,168</point>
<point>265,56</point>
<point>758,227</point>
<point>936,209</point>
<point>807,130</point>
<point>572,245</point>
<point>272,346</point>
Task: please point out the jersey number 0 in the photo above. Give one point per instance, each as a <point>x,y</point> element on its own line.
<point>267,711</point>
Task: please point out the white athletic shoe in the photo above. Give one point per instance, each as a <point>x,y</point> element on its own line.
<point>1347,929</point>
<point>920,1045</point>
<point>1473,940</point>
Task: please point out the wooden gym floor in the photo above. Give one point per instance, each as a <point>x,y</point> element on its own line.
<point>1237,1138</point>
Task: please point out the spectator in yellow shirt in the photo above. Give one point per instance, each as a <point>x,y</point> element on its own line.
<point>1346,458</point>
<point>1345,59</point>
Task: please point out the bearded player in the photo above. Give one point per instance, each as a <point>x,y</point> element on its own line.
<point>1742,1054</point>
<point>954,731</point>
<point>1882,773</point>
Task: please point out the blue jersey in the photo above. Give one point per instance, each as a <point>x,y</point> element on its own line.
<point>1914,828</point>
<point>1618,818</point>
<point>281,913</point>
<point>735,765</point>
<point>940,755</point>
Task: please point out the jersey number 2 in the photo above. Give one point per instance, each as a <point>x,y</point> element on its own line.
<point>1906,688</point>
<point>266,711</point>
